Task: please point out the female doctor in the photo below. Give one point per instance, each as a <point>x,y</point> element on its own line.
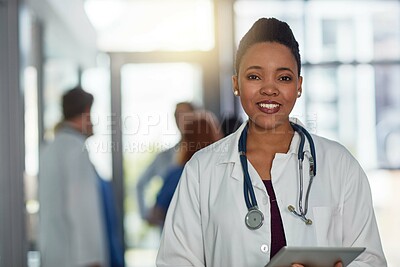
<point>246,196</point>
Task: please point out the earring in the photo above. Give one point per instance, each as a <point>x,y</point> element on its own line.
<point>236,92</point>
<point>298,93</point>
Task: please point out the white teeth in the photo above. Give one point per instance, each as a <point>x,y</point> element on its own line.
<point>269,106</point>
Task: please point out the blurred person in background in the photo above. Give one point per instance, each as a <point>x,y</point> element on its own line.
<point>230,124</point>
<point>159,166</point>
<point>199,130</point>
<point>72,230</point>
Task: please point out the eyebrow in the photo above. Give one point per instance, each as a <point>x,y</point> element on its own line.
<point>256,67</point>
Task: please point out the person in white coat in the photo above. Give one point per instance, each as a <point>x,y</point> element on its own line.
<point>72,230</point>
<point>207,223</point>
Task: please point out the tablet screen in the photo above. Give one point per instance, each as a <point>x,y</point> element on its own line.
<point>314,256</point>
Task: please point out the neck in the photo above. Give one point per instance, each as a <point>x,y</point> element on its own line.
<point>273,140</point>
<point>79,125</point>
<point>75,124</point>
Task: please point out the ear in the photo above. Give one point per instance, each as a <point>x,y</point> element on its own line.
<point>87,109</point>
<point>235,85</point>
<point>300,85</point>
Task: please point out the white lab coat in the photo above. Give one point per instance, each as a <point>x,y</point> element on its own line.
<point>71,231</point>
<point>205,223</point>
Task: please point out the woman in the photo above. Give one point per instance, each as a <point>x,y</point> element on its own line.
<point>159,166</point>
<point>210,219</point>
<point>199,129</point>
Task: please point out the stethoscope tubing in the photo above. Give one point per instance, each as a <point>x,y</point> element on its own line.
<point>303,132</point>
<point>249,195</point>
<point>247,186</point>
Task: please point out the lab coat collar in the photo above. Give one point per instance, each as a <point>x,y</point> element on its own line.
<point>231,154</point>
<point>231,149</point>
<point>294,145</point>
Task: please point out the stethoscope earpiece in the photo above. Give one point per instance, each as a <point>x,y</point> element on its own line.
<point>303,217</point>
<point>291,208</point>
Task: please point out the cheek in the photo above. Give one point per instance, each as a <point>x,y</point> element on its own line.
<point>248,93</point>
<point>245,95</point>
<point>248,89</point>
<point>290,99</point>
<point>247,102</point>
<point>291,95</point>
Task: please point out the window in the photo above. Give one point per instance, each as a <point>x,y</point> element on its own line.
<point>155,25</point>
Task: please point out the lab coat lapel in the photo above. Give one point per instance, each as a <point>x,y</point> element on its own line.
<point>232,156</point>
<point>237,174</point>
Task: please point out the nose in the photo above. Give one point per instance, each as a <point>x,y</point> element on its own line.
<point>269,88</point>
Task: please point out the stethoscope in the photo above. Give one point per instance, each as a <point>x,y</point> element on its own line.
<point>254,217</point>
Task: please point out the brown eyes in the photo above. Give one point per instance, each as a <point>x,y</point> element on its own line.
<point>282,78</point>
<point>253,77</point>
<point>285,78</point>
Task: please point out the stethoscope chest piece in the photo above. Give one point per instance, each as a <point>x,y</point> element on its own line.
<point>254,219</point>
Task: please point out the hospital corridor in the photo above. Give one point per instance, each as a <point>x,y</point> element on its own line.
<point>102,92</point>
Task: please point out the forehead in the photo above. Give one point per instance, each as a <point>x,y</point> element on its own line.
<point>267,53</point>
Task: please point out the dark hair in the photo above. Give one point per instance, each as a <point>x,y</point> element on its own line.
<point>75,101</point>
<point>189,105</point>
<point>268,30</point>
<point>230,124</point>
<point>200,130</point>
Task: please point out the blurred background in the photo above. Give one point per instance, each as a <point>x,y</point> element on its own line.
<point>140,57</point>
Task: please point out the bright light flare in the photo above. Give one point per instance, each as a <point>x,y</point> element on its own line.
<point>175,25</point>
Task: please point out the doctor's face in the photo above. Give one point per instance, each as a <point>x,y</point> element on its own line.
<point>268,85</point>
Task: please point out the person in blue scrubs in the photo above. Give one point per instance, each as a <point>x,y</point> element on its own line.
<point>200,130</point>
<point>163,161</point>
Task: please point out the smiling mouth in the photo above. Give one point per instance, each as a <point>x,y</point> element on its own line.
<point>268,106</point>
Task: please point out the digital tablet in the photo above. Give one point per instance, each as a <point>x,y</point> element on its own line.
<point>314,256</point>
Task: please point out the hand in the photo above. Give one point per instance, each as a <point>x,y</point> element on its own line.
<point>338,264</point>
<point>156,216</point>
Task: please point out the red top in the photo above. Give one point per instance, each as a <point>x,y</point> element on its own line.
<point>278,239</point>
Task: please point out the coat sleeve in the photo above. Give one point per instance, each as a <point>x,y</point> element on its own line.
<point>359,225</point>
<point>182,238</point>
<point>84,209</point>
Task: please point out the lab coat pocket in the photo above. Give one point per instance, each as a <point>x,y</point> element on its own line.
<point>328,226</point>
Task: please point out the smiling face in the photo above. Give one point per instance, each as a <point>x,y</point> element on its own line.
<point>268,84</point>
